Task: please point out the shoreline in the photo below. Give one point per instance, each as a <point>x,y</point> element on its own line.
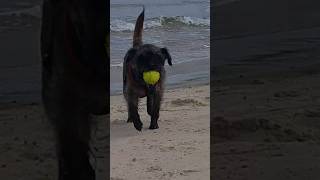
<point>177,75</point>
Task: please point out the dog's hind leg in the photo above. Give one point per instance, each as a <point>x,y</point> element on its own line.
<point>133,115</point>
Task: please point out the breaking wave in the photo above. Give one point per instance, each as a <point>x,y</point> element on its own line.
<point>34,11</point>
<point>122,26</point>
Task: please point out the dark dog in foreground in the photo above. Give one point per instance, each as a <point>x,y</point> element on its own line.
<point>74,78</point>
<point>139,59</point>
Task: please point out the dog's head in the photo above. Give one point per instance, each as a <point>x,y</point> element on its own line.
<point>147,58</point>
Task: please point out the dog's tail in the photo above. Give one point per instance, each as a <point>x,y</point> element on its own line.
<point>137,35</point>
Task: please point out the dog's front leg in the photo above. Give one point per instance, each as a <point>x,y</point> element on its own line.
<point>133,115</point>
<point>153,103</point>
<point>150,104</point>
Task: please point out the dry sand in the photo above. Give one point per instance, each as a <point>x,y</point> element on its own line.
<point>179,149</point>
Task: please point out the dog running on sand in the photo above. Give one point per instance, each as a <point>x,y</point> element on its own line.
<point>142,62</point>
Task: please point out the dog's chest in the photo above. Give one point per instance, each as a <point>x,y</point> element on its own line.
<point>139,90</point>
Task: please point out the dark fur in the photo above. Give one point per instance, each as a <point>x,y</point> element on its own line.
<point>140,58</point>
<point>74,78</point>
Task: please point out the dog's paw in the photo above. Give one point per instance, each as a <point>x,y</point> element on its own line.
<point>129,120</point>
<point>154,126</point>
<point>138,125</point>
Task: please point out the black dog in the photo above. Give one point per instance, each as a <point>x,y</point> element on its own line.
<point>141,58</point>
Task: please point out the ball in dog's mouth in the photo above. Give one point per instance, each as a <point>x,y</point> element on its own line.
<point>151,77</point>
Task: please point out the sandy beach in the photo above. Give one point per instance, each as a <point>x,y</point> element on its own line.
<point>27,144</point>
<point>179,149</point>
<point>267,127</point>
<point>265,100</point>
<point>265,91</point>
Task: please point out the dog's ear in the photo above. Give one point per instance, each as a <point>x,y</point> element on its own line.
<point>167,56</point>
<point>130,54</point>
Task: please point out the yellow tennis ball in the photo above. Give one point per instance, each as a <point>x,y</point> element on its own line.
<point>151,77</point>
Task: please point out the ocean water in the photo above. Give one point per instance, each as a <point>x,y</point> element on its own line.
<point>183,26</point>
<point>20,69</point>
